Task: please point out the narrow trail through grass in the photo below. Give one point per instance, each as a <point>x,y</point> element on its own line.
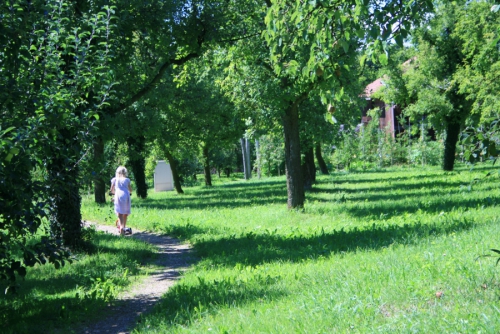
<point>173,258</point>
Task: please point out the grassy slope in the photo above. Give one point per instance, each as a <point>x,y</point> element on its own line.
<point>368,254</point>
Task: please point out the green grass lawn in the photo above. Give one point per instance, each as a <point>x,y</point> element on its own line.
<point>387,251</point>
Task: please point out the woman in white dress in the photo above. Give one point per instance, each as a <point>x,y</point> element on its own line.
<point>120,187</point>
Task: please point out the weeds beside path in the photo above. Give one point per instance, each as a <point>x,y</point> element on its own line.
<point>173,259</point>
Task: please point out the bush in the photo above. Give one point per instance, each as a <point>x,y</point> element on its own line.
<point>426,153</point>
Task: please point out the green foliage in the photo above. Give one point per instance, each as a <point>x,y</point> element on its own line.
<point>346,152</point>
<point>272,155</point>
<point>424,152</point>
<point>477,29</point>
<point>103,289</point>
<point>326,34</point>
<point>439,81</point>
<point>372,147</point>
<point>54,78</point>
<point>482,142</point>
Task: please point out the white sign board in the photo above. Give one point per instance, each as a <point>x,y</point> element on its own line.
<point>163,177</point>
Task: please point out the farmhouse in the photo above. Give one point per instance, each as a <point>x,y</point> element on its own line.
<point>389,113</point>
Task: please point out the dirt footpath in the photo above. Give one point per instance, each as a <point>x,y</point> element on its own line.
<point>173,258</point>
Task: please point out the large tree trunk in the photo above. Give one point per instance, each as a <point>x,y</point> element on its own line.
<point>321,161</point>
<point>136,159</point>
<point>64,181</point>
<point>175,172</point>
<point>294,180</point>
<point>99,184</point>
<point>450,144</point>
<point>206,166</point>
<point>309,169</point>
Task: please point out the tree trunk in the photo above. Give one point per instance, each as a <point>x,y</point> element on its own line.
<point>244,158</point>
<point>175,172</point>
<point>64,180</point>
<point>450,144</point>
<point>294,180</point>
<point>99,183</point>
<point>206,166</point>
<point>138,163</point>
<point>245,152</point>
<point>321,161</point>
<point>257,153</point>
<point>248,160</point>
<point>239,158</point>
<point>309,169</point>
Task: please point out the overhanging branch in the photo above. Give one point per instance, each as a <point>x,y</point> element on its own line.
<point>146,89</point>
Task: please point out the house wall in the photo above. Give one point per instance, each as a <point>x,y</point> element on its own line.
<point>388,117</point>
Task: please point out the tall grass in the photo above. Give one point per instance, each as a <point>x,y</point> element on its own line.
<point>385,251</point>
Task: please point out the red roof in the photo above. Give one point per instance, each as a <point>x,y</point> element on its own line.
<point>373,87</point>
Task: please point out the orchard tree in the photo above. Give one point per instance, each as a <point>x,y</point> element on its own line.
<point>214,121</point>
<point>310,46</point>
<point>152,36</point>
<point>430,81</point>
<point>155,36</point>
<point>54,78</point>
<point>445,79</point>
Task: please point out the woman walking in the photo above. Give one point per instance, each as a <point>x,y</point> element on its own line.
<point>120,187</point>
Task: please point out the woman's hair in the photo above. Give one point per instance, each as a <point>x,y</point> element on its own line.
<point>121,172</point>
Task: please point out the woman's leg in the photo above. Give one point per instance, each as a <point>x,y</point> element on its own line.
<point>117,221</point>
<point>124,220</point>
<point>122,224</point>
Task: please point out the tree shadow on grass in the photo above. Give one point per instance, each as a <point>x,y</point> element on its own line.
<point>184,303</point>
<point>265,193</point>
<point>41,316</point>
<point>392,209</point>
<point>389,188</point>
<point>372,178</point>
<point>254,249</point>
<point>42,303</point>
<point>244,195</point>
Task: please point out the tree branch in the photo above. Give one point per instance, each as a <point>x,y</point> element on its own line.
<point>174,61</point>
<point>146,89</point>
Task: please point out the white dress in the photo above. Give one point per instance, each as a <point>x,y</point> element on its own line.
<point>122,195</point>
